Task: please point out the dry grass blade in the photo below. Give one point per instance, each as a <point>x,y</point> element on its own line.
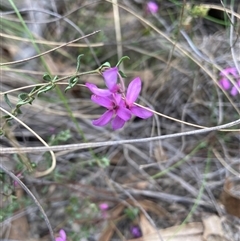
<point>49,51</point>
<point>110,143</point>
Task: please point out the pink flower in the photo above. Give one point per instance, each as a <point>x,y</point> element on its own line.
<point>119,108</point>
<point>225,82</point>
<point>136,232</point>
<point>234,90</point>
<point>103,206</point>
<point>230,71</point>
<point>152,7</point>
<point>62,236</point>
<point>116,112</point>
<point>15,183</point>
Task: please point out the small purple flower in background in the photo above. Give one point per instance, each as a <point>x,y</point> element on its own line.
<point>15,183</point>
<point>234,90</point>
<point>119,107</point>
<point>62,236</point>
<point>51,129</point>
<point>225,82</point>
<point>152,7</point>
<point>136,232</point>
<point>103,206</point>
<point>230,71</point>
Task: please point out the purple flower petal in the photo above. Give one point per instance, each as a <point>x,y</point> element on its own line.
<point>231,70</point>
<point>62,234</point>
<point>106,102</point>
<point>152,7</point>
<point>103,206</point>
<point>124,113</point>
<point>95,90</point>
<point>104,119</point>
<point>238,82</point>
<point>110,76</point>
<point>59,239</point>
<point>133,91</point>
<point>140,112</point>
<point>117,123</point>
<point>136,232</point>
<point>225,83</point>
<point>117,98</point>
<point>234,91</point>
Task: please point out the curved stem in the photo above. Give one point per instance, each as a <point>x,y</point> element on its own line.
<point>15,178</point>
<point>79,146</point>
<point>53,165</point>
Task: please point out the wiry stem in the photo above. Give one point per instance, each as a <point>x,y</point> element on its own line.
<point>15,178</point>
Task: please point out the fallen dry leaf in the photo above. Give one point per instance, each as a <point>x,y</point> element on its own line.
<point>231,197</point>
<point>150,206</point>
<point>107,234</point>
<point>212,226</point>
<point>146,226</point>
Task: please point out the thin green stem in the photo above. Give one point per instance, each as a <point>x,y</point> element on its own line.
<point>61,79</point>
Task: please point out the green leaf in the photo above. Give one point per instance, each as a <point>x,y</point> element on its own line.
<point>7,117</point>
<point>78,62</point>
<point>47,77</point>
<point>121,60</point>
<point>7,101</point>
<point>199,11</point>
<point>18,111</point>
<point>33,165</point>
<point>55,79</point>
<point>24,99</point>
<point>28,100</point>
<point>104,162</point>
<point>64,135</point>
<point>131,212</point>
<point>71,83</point>
<point>104,66</point>
<point>23,96</point>
<point>46,88</point>
<point>34,89</point>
